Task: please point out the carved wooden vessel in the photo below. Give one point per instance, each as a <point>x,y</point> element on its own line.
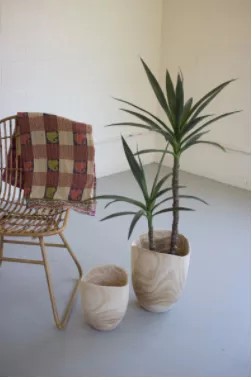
<point>105,295</point>
<point>159,278</point>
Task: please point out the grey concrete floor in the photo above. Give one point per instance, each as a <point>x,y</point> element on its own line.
<point>206,334</point>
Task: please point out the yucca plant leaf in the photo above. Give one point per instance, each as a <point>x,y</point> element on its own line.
<point>136,169</point>
<point>191,124</point>
<point>158,185</point>
<point>205,104</point>
<point>158,170</point>
<point>119,198</point>
<point>193,197</point>
<point>115,215</point>
<point>135,219</point>
<point>190,140</point>
<point>165,190</point>
<point>147,112</point>
<point>144,151</point>
<point>210,95</point>
<point>138,125</point>
<point>186,112</point>
<point>179,99</point>
<point>161,202</point>
<point>167,133</point>
<point>143,118</point>
<point>216,119</point>
<point>155,127</point>
<point>140,161</point>
<point>170,209</point>
<point>210,143</point>
<point>180,196</point>
<point>157,90</point>
<point>181,75</point>
<point>142,170</point>
<point>196,131</point>
<point>170,92</point>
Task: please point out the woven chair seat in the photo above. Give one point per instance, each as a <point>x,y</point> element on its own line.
<point>17,219</point>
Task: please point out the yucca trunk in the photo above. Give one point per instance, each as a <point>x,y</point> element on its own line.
<point>175,193</point>
<point>150,236</point>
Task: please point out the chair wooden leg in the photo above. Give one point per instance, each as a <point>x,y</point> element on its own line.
<point>1,249</point>
<point>60,322</point>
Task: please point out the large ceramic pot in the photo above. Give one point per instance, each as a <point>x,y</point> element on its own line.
<point>105,295</point>
<point>159,278</point>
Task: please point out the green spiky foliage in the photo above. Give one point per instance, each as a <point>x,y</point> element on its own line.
<point>184,127</point>
<point>153,198</point>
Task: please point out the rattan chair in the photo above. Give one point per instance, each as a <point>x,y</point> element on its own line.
<point>18,221</point>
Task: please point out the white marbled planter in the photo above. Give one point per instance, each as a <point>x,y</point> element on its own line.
<point>105,295</point>
<point>159,278</point>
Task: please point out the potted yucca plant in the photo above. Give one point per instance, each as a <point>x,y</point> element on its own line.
<point>152,269</point>
<point>184,127</point>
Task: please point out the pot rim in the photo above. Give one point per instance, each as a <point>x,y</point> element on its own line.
<point>123,272</point>
<point>136,241</point>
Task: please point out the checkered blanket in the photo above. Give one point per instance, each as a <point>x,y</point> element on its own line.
<point>57,158</point>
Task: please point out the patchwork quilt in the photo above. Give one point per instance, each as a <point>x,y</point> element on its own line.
<point>57,156</point>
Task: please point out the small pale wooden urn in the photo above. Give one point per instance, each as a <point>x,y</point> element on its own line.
<point>105,295</point>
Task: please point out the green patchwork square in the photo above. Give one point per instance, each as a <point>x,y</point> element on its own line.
<point>53,165</point>
<point>52,137</point>
<point>50,191</point>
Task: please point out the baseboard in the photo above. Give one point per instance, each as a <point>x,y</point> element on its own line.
<point>232,167</point>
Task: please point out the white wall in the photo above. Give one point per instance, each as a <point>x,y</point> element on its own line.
<point>210,41</point>
<point>69,57</point>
